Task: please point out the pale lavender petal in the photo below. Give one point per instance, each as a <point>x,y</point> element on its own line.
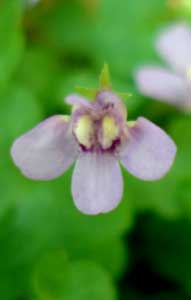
<point>160,84</point>
<point>174,44</point>
<point>77,100</point>
<point>105,98</point>
<point>47,150</point>
<point>149,151</point>
<point>97,183</point>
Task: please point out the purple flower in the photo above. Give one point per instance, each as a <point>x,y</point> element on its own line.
<point>174,85</point>
<point>98,137</point>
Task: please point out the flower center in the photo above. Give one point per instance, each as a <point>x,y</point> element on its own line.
<point>188,74</point>
<point>84,131</point>
<point>96,134</point>
<point>109,132</point>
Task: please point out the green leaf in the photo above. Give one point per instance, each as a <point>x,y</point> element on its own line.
<point>110,254</point>
<point>13,268</point>
<point>19,112</point>
<point>89,281</point>
<point>51,275</point>
<point>168,246</point>
<point>41,73</point>
<point>180,131</point>
<point>57,278</point>
<point>11,39</point>
<point>67,25</point>
<point>128,40</point>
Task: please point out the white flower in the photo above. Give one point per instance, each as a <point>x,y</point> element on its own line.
<point>174,85</point>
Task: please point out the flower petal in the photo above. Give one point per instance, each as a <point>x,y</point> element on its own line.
<point>107,97</point>
<point>77,100</point>
<point>162,85</point>
<point>149,151</point>
<point>97,183</point>
<point>174,44</point>
<point>47,150</point>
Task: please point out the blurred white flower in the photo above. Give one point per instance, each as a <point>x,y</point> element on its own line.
<point>31,2</point>
<point>174,85</point>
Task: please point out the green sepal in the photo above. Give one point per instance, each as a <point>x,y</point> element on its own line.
<point>104,84</point>
<point>89,93</point>
<point>124,96</point>
<point>105,80</point>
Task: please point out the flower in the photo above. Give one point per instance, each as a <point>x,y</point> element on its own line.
<point>31,2</point>
<point>97,136</point>
<point>171,86</point>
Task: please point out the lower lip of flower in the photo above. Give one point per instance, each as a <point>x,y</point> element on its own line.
<point>97,135</point>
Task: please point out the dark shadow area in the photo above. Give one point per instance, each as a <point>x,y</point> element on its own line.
<point>142,281</point>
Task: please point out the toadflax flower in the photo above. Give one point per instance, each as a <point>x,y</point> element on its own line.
<point>174,85</point>
<point>98,137</point>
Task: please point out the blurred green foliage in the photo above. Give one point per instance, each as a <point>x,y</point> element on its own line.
<point>48,250</point>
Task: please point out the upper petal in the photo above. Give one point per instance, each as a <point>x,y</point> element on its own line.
<point>47,150</point>
<point>149,151</point>
<point>97,183</point>
<point>160,84</point>
<point>77,100</point>
<point>105,98</point>
<point>174,44</point>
